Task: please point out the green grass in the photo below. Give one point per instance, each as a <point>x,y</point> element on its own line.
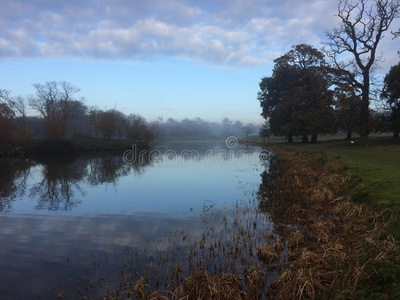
<point>376,165</point>
<point>321,138</point>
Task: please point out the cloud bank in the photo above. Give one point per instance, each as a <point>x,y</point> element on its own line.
<point>223,33</point>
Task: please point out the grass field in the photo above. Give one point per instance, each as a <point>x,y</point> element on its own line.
<point>376,165</point>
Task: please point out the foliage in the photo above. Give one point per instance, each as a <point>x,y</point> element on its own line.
<point>391,92</point>
<point>347,109</point>
<point>265,131</point>
<point>296,99</point>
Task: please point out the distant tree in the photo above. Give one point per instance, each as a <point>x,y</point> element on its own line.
<point>122,122</point>
<point>107,123</point>
<point>362,28</point>
<point>57,104</point>
<point>265,131</point>
<point>391,93</point>
<point>93,119</point>
<point>139,131</point>
<point>237,127</point>
<point>248,129</point>
<point>226,126</point>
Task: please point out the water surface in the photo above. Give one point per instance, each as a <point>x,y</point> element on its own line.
<point>74,222</point>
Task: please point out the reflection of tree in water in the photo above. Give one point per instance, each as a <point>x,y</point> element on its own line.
<point>61,179</point>
<point>60,183</point>
<point>108,169</point>
<point>272,198</point>
<point>13,177</point>
<point>277,195</point>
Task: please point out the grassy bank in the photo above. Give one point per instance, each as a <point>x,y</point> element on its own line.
<point>377,165</point>
<point>329,245</point>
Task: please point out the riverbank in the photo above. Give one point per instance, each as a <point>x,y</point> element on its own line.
<point>324,243</point>
<point>376,166</point>
<point>328,244</point>
<point>70,145</point>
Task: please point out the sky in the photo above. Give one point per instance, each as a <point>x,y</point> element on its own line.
<point>169,58</point>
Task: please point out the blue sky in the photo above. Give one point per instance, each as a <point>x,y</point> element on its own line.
<point>177,58</point>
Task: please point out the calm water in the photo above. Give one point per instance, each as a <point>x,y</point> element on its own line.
<point>69,223</point>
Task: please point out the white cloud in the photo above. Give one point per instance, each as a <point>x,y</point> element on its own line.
<point>227,33</point>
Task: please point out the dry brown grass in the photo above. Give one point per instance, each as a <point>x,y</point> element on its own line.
<point>326,234</point>
<point>202,286</point>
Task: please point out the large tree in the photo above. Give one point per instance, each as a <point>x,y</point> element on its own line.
<point>391,92</point>
<point>296,99</point>
<point>362,27</point>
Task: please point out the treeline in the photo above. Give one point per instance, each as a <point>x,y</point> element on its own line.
<point>200,128</point>
<point>314,92</point>
<point>304,97</point>
<point>61,114</point>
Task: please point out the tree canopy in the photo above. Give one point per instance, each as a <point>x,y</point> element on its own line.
<point>297,99</point>
<point>391,92</point>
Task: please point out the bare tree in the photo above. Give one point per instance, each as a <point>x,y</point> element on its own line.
<point>55,101</point>
<point>362,27</point>
<point>396,34</point>
<point>5,109</point>
<point>17,104</point>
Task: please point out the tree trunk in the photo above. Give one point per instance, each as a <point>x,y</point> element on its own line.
<point>305,138</point>
<point>314,138</point>
<point>364,130</point>
<point>396,134</point>
<point>349,135</point>
<point>290,138</point>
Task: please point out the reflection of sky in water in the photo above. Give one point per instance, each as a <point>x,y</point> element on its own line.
<point>112,207</point>
<point>159,188</point>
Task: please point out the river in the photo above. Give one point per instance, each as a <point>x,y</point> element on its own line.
<point>72,225</point>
